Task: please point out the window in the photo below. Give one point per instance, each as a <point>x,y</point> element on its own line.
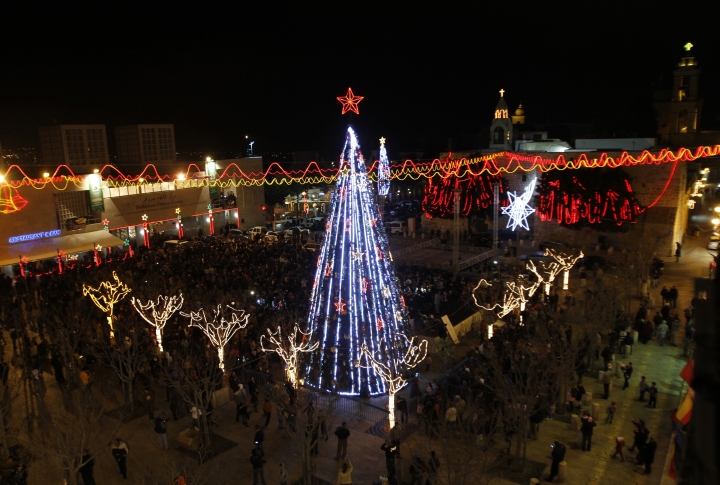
<point>499,136</point>
<point>682,121</point>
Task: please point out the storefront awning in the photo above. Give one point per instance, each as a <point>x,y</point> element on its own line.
<point>48,248</point>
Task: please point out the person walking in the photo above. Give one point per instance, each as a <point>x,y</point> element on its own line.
<point>240,398</point>
<point>267,411</point>
<point>619,444</point>
<point>643,388</point>
<point>627,374</point>
<point>665,295</point>
<point>257,459</point>
<point>678,252</point>
<point>641,435</point>
<point>558,455</point>
<point>161,430</point>
<point>611,410</point>
<point>120,452</point>
<point>647,455</point>
<point>587,432</point>
<point>342,434</point>
<point>345,474</point>
<point>652,392</point>
<point>86,469</point>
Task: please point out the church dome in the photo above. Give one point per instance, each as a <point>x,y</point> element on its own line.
<point>520,111</point>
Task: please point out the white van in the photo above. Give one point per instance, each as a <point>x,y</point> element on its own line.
<point>397,227</point>
<point>258,231</point>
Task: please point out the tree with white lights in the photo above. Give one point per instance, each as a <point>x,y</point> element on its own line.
<point>392,363</point>
<point>219,330</point>
<point>107,295</point>
<point>383,174</point>
<point>355,298</point>
<point>158,313</point>
<point>288,351</point>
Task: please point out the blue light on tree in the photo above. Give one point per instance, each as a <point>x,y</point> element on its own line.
<point>355,297</point>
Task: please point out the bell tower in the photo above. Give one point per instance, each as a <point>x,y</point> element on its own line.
<point>682,113</point>
<point>501,128</point>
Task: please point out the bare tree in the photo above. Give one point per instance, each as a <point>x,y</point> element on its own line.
<point>158,313</point>
<point>107,295</point>
<point>288,351</point>
<point>219,330</point>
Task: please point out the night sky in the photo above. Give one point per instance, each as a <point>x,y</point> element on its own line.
<point>427,70</point>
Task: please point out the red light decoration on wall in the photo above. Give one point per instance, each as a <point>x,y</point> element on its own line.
<point>233,175</point>
<point>350,102</point>
<point>476,195</point>
<point>10,200</point>
<point>571,201</point>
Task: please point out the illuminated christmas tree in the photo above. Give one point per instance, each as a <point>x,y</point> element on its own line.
<point>383,170</point>
<point>355,298</point>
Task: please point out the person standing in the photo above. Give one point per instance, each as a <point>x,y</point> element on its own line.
<point>674,297</point>
<point>678,252</point>
<point>322,421</point>
<point>665,295</point>
<point>161,430</point>
<point>38,384</point>
<point>390,449</point>
<point>240,398</point>
<point>342,434</point>
<point>587,432</point>
<point>345,474</point>
<point>451,418</point>
<point>267,411</point>
<point>402,407</point>
<point>627,374</point>
<point>607,380</point>
<point>643,389</point>
<point>257,460</point>
<point>619,444</point>
<point>558,455</point>
<point>259,436</point>
<point>86,469</point>
<point>149,401</point>
<point>662,332</point>
<point>611,410</point>
<point>120,452</point>
<point>653,392</point>
<point>648,455</point>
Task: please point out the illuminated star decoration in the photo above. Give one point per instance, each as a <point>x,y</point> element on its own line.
<point>144,217</point>
<point>357,255</point>
<point>106,224</point>
<point>350,102</point>
<point>518,209</point>
<point>688,46</point>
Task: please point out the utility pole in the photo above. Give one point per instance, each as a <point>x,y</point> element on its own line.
<point>456,235</point>
<point>496,207</point>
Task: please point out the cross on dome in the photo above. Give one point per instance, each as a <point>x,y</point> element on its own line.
<point>502,92</point>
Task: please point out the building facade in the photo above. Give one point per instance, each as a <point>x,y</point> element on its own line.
<point>145,144</point>
<point>74,145</point>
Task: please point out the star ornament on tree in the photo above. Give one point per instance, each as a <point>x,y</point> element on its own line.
<point>350,102</point>
<point>518,209</point>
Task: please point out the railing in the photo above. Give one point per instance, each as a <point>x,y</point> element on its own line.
<point>416,247</point>
<point>477,259</point>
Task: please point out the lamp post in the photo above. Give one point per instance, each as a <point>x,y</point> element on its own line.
<point>211,219</point>
<point>181,233</point>
<point>146,233</point>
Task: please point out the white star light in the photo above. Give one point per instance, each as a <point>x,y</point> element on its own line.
<point>518,210</point>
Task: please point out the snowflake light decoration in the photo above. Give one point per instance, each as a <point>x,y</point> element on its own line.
<point>518,209</point>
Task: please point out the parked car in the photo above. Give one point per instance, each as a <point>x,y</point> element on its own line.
<point>258,231</point>
<point>237,234</point>
<point>270,238</point>
<point>397,227</point>
<point>714,242</point>
<point>312,246</point>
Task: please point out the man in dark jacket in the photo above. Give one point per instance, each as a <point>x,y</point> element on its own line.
<point>257,460</point>
<point>627,374</point>
<point>647,455</point>
<point>342,434</point>
<point>587,432</point>
<point>86,470</point>
<point>558,455</point>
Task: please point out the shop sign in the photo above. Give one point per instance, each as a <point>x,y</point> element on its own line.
<point>33,236</point>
